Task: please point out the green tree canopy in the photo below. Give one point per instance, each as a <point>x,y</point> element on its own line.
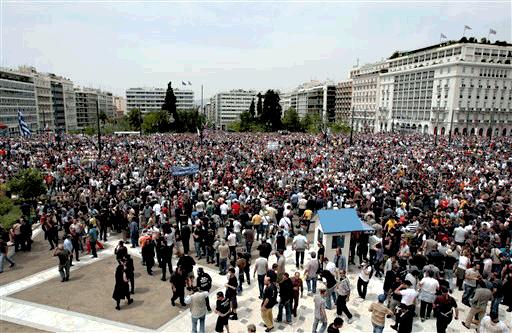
<point>134,118</point>
<point>170,102</point>
<point>252,111</point>
<point>271,113</point>
<point>291,120</point>
<point>103,117</point>
<point>259,107</point>
<point>156,122</point>
<point>28,184</point>
<point>312,123</point>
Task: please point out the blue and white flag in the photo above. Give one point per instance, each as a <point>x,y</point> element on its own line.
<point>24,129</point>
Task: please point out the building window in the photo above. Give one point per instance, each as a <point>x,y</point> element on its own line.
<point>338,241</point>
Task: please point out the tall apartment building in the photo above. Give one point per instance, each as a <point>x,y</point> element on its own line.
<point>226,107</point>
<point>365,94</point>
<point>465,87</point>
<point>119,107</point>
<point>17,93</point>
<point>344,101</point>
<point>88,100</point>
<point>313,97</point>
<point>55,100</point>
<point>152,99</point>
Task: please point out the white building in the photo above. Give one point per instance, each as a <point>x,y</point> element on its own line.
<point>365,92</point>
<point>226,107</point>
<point>55,100</point>
<point>17,93</point>
<point>312,97</point>
<point>152,99</point>
<point>466,87</point>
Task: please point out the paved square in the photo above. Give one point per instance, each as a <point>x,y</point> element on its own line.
<point>89,291</point>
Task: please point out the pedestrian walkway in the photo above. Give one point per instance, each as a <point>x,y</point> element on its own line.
<point>48,318</point>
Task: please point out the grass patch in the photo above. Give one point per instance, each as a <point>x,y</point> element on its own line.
<point>8,219</point>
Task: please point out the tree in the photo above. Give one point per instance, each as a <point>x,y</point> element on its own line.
<point>134,119</point>
<point>259,107</point>
<point>103,117</point>
<point>271,113</point>
<point>312,123</point>
<point>291,120</point>
<point>28,184</point>
<point>245,121</point>
<point>252,112</point>
<point>170,105</point>
<point>156,122</point>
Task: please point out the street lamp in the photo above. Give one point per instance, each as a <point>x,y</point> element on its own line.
<point>351,126</point>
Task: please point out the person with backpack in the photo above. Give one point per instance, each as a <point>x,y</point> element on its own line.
<point>364,278</point>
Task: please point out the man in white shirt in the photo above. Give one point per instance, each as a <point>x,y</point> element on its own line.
<point>407,292</point>
<point>459,234</point>
<point>261,268</point>
<point>232,244</point>
<point>492,324</point>
<point>428,288</point>
<point>224,211</point>
<point>198,309</point>
<point>299,244</point>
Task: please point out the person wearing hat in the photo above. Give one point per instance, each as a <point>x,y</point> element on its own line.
<point>379,312</point>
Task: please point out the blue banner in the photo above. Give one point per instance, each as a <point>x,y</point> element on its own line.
<point>185,171</point>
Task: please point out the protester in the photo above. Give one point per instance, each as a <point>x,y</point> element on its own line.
<point>121,289</point>
<point>197,302</point>
<point>379,313</point>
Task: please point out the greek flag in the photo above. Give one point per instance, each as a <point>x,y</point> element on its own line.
<point>24,129</point>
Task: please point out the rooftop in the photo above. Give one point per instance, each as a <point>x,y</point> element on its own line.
<point>335,221</point>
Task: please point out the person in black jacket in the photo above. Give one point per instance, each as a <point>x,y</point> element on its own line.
<point>286,291</point>
<point>178,286</point>
<point>121,289</point>
<point>165,259</point>
<point>148,255</point>
<point>185,237</point>
<point>130,273</point>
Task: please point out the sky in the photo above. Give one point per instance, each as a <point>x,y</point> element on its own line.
<point>115,45</point>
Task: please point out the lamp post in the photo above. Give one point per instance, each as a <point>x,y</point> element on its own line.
<point>99,129</point>
<point>451,128</point>
<point>351,125</point>
<point>140,122</point>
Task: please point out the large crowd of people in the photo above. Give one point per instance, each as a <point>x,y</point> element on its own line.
<point>441,215</point>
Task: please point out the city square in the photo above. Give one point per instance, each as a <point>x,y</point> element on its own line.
<point>251,166</point>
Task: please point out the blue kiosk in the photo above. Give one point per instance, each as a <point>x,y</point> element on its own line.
<point>335,227</point>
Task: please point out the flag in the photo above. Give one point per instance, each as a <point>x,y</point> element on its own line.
<point>492,32</point>
<point>183,83</point>
<point>467,27</point>
<point>443,36</point>
<point>24,130</point>
<point>189,83</point>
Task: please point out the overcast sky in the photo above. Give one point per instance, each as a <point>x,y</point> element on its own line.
<point>117,45</point>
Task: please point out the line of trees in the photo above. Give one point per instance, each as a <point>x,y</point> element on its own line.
<point>266,116</point>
